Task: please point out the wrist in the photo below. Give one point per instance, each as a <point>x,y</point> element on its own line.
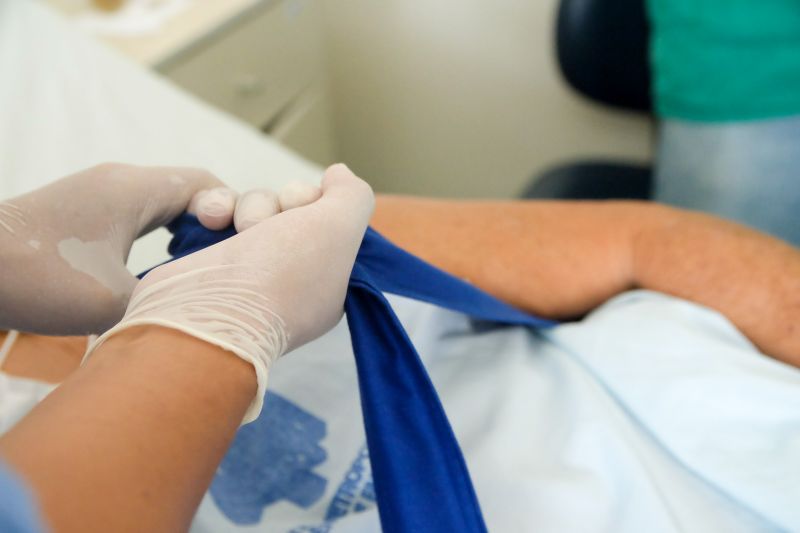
<point>192,362</point>
<point>653,223</point>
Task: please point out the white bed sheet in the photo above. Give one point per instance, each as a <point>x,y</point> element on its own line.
<point>650,415</point>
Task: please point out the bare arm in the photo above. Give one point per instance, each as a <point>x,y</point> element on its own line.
<point>131,441</point>
<point>89,450</point>
<point>562,259</point>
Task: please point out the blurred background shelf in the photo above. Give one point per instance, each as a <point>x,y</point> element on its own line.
<point>457,98</point>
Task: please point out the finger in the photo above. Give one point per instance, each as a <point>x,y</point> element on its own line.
<point>144,198</point>
<point>255,206</point>
<point>214,207</point>
<point>340,185</point>
<point>177,187</point>
<point>187,178</point>
<point>298,194</point>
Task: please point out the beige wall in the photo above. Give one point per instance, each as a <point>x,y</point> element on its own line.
<point>460,97</point>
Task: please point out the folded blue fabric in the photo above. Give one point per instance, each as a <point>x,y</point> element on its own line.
<point>421,480</point>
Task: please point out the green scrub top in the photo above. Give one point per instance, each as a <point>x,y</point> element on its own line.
<point>725,60</point>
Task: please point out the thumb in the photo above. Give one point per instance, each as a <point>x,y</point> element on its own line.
<point>345,190</point>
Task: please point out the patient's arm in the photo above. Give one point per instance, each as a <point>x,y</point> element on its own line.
<point>131,441</point>
<point>561,259</point>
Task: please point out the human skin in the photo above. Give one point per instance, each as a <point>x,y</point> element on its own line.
<point>101,469</point>
<point>562,259</point>
<point>134,436</point>
<point>131,439</point>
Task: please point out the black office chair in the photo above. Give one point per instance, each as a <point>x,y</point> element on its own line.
<point>602,48</point>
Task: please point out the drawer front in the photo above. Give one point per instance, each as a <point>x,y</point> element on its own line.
<point>256,64</point>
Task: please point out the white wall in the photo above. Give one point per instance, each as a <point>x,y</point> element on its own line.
<point>460,97</point>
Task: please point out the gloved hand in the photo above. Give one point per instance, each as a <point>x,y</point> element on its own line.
<point>269,289</point>
<point>63,247</point>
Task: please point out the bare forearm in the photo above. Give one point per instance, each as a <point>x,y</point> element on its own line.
<point>131,441</point>
<point>562,259</point>
<point>556,259</point>
<point>750,277</point>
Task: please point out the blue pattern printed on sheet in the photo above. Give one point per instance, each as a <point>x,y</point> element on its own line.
<point>324,528</point>
<point>271,459</point>
<point>356,493</point>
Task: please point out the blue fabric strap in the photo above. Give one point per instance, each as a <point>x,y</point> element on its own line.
<point>421,480</point>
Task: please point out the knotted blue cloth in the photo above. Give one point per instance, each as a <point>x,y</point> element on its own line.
<point>421,479</point>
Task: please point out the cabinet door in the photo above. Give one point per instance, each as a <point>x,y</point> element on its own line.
<point>254,66</point>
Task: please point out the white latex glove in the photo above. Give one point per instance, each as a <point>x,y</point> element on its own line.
<point>267,290</point>
<point>63,247</point>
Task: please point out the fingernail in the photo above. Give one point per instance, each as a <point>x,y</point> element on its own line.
<point>214,209</point>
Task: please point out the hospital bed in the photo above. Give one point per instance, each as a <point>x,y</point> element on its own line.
<point>651,414</point>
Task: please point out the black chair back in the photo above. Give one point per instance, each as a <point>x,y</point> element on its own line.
<point>603,51</point>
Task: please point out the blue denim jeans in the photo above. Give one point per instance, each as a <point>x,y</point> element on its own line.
<point>744,171</point>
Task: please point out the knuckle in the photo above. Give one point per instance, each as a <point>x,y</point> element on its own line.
<point>200,174</point>
<point>111,169</point>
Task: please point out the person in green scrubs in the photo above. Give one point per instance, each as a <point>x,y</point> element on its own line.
<point>726,83</point>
